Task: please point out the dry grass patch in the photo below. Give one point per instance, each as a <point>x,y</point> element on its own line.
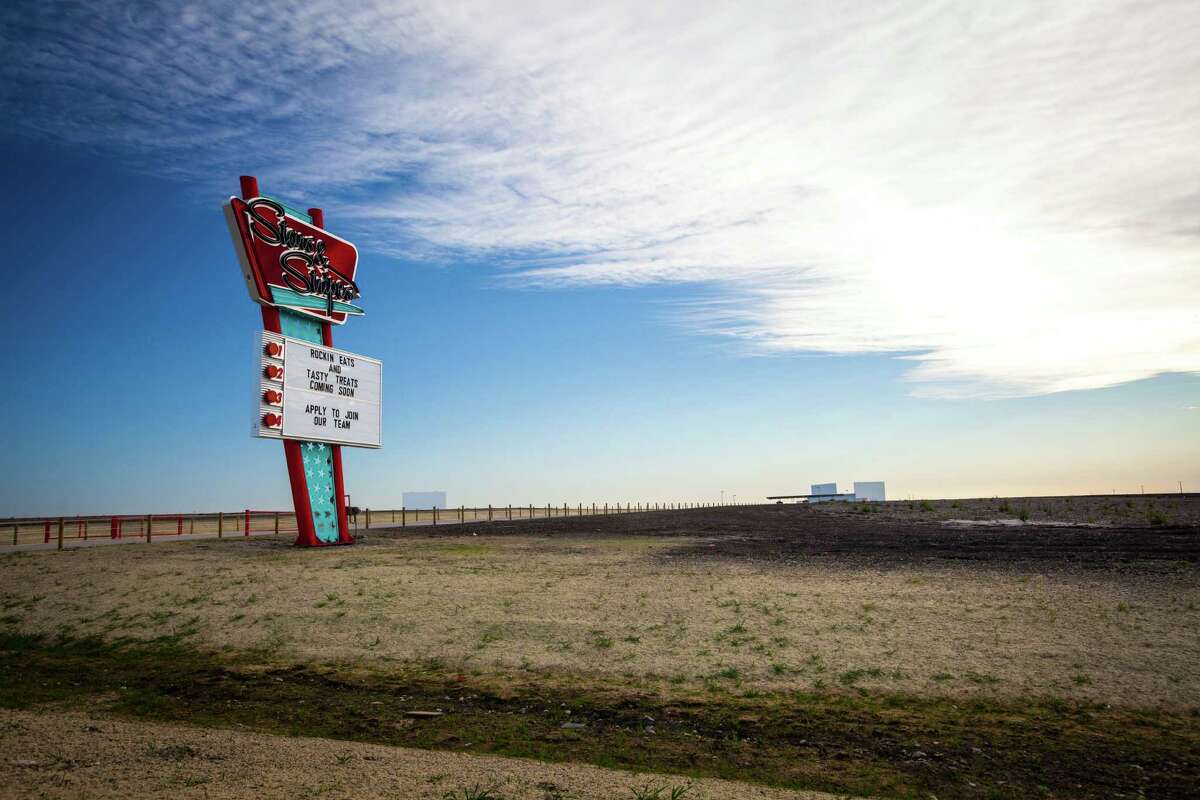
<point>618,607</point>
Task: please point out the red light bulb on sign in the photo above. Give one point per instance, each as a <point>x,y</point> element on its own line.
<point>272,420</point>
<point>272,349</point>
<point>273,372</point>
<point>272,397</point>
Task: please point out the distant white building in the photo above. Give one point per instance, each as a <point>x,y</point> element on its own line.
<point>863,490</point>
<point>828,493</point>
<point>425,500</point>
<point>869,490</point>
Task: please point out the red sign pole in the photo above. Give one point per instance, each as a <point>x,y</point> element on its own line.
<point>306,534</point>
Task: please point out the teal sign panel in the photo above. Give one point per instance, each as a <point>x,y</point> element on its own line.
<point>318,456</point>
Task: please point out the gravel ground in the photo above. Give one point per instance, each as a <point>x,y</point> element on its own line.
<point>56,754</point>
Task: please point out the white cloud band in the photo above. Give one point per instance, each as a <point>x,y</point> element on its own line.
<point>1008,195</point>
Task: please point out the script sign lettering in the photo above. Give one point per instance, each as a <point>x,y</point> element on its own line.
<point>291,263</point>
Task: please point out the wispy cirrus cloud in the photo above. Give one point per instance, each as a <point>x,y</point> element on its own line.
<point>1007,196</point>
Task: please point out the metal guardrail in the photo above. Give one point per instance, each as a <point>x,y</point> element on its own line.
<point>148,527</point>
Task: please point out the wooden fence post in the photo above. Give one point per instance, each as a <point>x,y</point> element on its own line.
<point>220,524</point>
<point>14,534</point>
<point>368,519</point>
<point>247,531</point>
<point>435,515</point>
<point>149,527</point>
<point>60,532</point>
<point>276,523</point>
<point>403,514</point>
<point>489,512</point>
<point>510,511</point>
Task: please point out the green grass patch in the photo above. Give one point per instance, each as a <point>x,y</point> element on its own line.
<point>855,742</point>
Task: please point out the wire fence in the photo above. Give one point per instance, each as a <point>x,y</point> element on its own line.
<point>404,517</point>
<point>64,532</point>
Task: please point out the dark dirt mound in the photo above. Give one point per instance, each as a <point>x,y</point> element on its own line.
<point>799,532</point>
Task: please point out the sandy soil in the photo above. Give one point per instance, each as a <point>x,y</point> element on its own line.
<point>685,609</point>
<point>77,755</point>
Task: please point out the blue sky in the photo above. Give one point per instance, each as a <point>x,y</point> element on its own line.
<point>613,256</point>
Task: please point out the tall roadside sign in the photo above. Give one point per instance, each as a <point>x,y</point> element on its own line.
<point>312,396</point>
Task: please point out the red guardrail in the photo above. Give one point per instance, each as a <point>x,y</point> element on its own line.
<point>145,527</point>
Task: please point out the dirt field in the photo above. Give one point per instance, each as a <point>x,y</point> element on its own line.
<point>811,608</point>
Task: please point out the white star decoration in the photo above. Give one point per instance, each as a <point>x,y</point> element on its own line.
<point>315,456</point>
